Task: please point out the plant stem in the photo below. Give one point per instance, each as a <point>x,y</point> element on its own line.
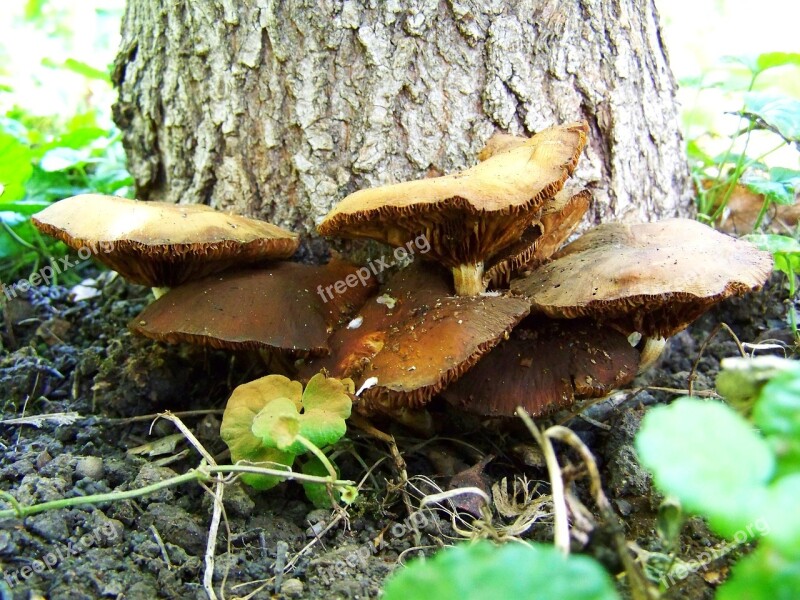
<point>561,526</point>
<point>202,473</point>
<point>314,449</point>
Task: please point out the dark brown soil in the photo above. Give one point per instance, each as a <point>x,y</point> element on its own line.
<point>64,357</point>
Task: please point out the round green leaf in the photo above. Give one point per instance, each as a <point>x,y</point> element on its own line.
<point>778,410</point>
<point>782,517</point>
<point>244,404</point>
<point>277,424</point>
<point>481,571</point>
<point>778,113</point>
<point>318,492</point>
<point>710,458</point>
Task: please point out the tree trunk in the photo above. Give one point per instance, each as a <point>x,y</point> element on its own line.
<point>278,109</point>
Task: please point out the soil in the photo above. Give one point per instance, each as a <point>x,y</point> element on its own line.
<point>77,359</point>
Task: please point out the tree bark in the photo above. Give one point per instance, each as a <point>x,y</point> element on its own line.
<point>278,109</point>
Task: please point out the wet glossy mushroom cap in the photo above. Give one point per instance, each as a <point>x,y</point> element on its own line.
<point>651,278</point>
<point>416,338</point>
<point>544,366</point>
<point>470,216</point>
<point>558,219</point>
<point>160,244</point>
<point>289,307</point>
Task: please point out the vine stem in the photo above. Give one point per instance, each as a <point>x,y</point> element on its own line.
<point>200,474</point>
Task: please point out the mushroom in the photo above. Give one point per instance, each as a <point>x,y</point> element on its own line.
<point>416,338</point>
<point>559,218</point>
<point>160,244</point>
<point>285,308</point>
<point>650,278</point>
<point>544,366</point>
<point>467,217</point>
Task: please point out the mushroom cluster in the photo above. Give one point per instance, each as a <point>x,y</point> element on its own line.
<point>495,316</point>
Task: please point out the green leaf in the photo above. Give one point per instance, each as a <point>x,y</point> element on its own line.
<point>777,412</point>
<point>781,185</point>
<point>326,405</point>
<point>317,493</point>
<point>269,413</point>
<point>770,60</point>
<point>244,404</point>
<point>741,379</point>
<point>781,517</point>
<point>764,575</point>
<point>785,250</point>
<point>482,570</point>
<point>277,424</point>
<point>79,67</point>
<point>15,168</point>
<point>63,158</point>
<point>775,112</point>
<point>710,458</point>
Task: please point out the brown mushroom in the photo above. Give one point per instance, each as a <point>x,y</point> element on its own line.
<point>416,338</point>
<point>650,278</point>
<point>559,218</point>
<point>467,217</point>
<point>160,244</point>
<point>544,366</point>
<point>286,308</point>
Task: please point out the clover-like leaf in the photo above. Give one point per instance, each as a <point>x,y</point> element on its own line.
<point>326,405</point>
<point>244,404</point>
<point>277,424</point>
<point>728,483</point>
<point>264,419</point>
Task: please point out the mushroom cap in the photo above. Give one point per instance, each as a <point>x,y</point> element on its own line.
<point>279,308</point>
<point>161,244</point>
<point>467,216</point>
<point>416,338</point>
<point>500,142</point>
<point>654,278</point>
<point>544,366</point>
<point>558,219</point>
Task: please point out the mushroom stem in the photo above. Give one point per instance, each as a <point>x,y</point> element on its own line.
<point>650,349</point>
<point>468,279</point>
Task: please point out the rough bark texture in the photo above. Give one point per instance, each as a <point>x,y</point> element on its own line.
<point>279,109</point>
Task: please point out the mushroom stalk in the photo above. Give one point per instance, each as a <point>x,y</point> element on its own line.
<point>468,279</point>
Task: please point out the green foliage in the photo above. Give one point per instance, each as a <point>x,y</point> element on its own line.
<point>272,420</point>
<point>482,570</point>
<point>44,158</point>
<point>769,112</point>
<point>742,475</point>
<point>785,252</point>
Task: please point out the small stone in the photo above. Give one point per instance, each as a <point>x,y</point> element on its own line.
<point>91,467</point>
<point>292,588</point>
<point>42,459</point>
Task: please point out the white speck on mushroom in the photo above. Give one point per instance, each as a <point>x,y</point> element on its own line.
<point>387,301</point>
<point>460,321</point>
<point>369,383</point>
<point>355,323</point>
<point>412,368</point>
